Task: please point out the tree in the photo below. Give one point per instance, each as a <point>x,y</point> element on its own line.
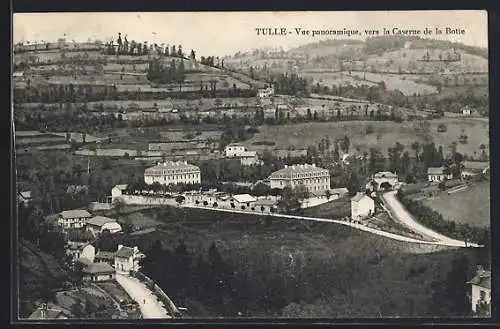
<point>301,192</point>
<point>353,185</point>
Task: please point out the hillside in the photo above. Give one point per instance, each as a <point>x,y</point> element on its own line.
<point>126,73</point>
<point>38,274</point>
<point>411,65</point>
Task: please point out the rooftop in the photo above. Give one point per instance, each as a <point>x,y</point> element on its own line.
<point>121,186</point>
<point>385,174</point>
<point>297,169</point>
<point>75,213</point>
<point>125,252</point>
<point>94,268</point>
<point>173,165</point>
<point>435,171</point>
<point>476,165</point>
<point>100,220</point>
<point>243,198</point>
<point>105,254</point>
<point>482,279</point>
<point>359,196</point>
<point>25,194</point>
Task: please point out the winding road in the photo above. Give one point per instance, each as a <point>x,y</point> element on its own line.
<point>150,306</point>
<point>444,241</point>
<point>401,214</point>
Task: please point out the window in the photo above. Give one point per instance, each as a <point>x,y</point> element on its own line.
<point>482,294</point>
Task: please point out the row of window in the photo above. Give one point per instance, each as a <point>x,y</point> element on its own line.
<point>301,175</point>
<point>174,177</point>
<point>167,172</point>
<point>308,181</point>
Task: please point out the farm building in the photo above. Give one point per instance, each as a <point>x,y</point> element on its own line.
<point>98,224</point>
<point>315,179</point>
<point>474,168</point>
<point>437,174</point>
<point>95,272</point>
<point>76,218</point>
<point>173,173</point>
<point>362,206</point>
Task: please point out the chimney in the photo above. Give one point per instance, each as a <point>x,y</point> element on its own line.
<point>165,163</point>
<point>314,165</point>
<point>286,166</point>
<point>185,162</point>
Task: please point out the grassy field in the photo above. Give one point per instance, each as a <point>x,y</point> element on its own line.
<point>394,81</point>
<point>385,134</point>
<point>470,206</point>
<point>382,272</point>
<point>336,209</point>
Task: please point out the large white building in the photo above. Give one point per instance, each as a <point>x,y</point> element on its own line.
<point>315,179</point>
<point>173,173</point>
<point>247,158</point>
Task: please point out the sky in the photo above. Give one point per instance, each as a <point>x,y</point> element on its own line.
<point>225,33</point>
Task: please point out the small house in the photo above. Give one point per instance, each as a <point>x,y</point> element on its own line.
<point>95,272</point>
<point>76,218</point>
<point>466,111</point>
<point>79,250</point>
<point>243,200</point>
<point>437,174</point>
<point>481,292</point>
<point>474,168</point>
<point>117,191</point>
<point>127,259</point>
<point>98,224</point>
<point>362,206</point>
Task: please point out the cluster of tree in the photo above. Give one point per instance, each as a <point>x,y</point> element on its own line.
<point>53,93</point>
<point>381,44</point>
<point>212,61</point>
<point>134,48</point>
<point>235,131</point>
<point>164,74</point>
<point>291,198</point>
<point>289,84</point>
<point>60,93</point>
<point>435,221</point>
<point>69,121</point>
<point>380,94</point>
<point>35,229</point>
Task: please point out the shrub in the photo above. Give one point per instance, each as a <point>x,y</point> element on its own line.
<point>243,207</point>
<point>215,205</point>
<point>197,202</point>
<point>205,203</point>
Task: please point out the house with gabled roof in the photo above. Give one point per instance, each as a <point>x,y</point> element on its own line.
<point>127,259</point>
<point>98,224</point>
<point>362,206</point>
<point>481,292</point>
<point>75,218</point>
